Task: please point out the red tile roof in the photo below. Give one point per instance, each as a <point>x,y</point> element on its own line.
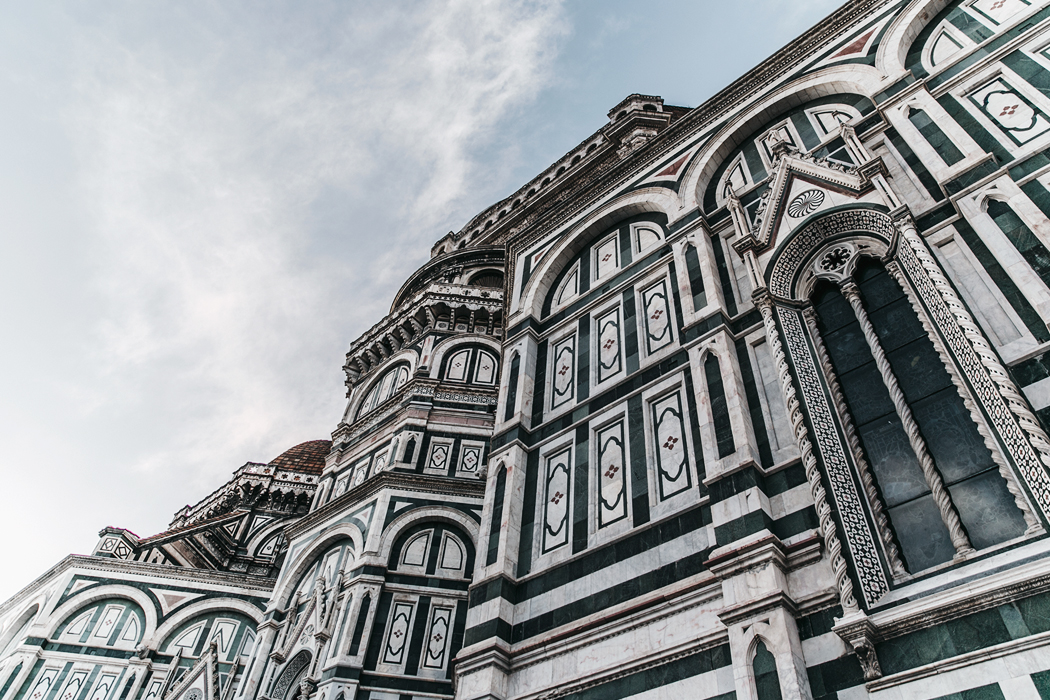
<point>305,458</point>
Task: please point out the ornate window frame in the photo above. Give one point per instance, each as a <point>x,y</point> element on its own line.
<point>986,387</point>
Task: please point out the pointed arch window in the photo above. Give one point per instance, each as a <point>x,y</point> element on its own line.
<point>935,136</point>
<point>719,407</point>
<point>767,682</point>
<point>1026,242</point>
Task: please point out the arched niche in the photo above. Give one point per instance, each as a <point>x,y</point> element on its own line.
<point>233,633</point>
<point>852,79</point>
<point>115,622</point>
<point>891,56</point>
<point>433,548</point>
<point>333,551</point>
<point>653,201</point>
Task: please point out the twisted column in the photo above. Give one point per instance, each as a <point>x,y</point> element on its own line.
<point>1034,466</point>
<point>809,460</point>
<point>929,472</point>
<point>1031,521</point>
<point>882,522</point>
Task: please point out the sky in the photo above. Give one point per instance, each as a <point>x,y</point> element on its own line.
<point>203,203</point>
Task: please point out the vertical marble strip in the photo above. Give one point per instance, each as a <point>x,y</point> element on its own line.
<point>529,513</point>
<point>696,278</point>
<point>512,387</point>
<point>496,522</point>
<point>581,490</point>
<point>583,358</point>
<point>639,463</point>
<point>417,640</point>
<point>630,331</point>
<point>978,361</point>
<point>858,536</point>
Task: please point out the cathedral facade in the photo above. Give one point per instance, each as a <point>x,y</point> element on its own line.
<point>749,400</point>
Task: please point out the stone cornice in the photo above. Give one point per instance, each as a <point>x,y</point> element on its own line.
<point>119,567</point>
<point>619,173</point>
<point>400,481</point>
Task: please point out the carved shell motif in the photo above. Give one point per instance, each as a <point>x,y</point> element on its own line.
<point>805,204</point>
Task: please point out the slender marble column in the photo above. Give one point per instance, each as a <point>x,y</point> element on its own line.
<point>1031,521</point>
<point>867,480</point>
<point>929,471</point>
<point>827,525</point>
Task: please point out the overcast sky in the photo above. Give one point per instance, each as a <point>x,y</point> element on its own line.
<point>203,203</point>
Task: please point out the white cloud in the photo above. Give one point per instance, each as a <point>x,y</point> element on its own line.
<point>226,314</point>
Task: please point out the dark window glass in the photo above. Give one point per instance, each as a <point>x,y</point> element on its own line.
<point>987,509</point>
<point>497,517</point>
<point>1030,247</point>
<point>719,408</point>
<point>962,458</point>
<point>767,682</point>
<point>921,532</point>
<point>885,443</point>
<point>947,150</point>
<point>696,279</point>
<point>946,425</point>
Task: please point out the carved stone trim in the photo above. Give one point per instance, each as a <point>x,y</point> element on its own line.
<point>809,460</point>
<point>882,522</point>
<point>993,387</point>
<point>788,263</point>
<point>858,535</point>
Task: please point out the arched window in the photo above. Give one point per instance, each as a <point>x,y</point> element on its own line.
<point>487,278</point>
<point>767,682</point>
<point>933,134</point>
<point>935,478</point>
<point>471,365</point>
<point>384,388</point>
<point>1026,242</point>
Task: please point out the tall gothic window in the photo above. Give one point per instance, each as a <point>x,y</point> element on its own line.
<point>933,134</point>
<point>1026,242</point>
<point>935,477</point>
<point>767,682</point>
